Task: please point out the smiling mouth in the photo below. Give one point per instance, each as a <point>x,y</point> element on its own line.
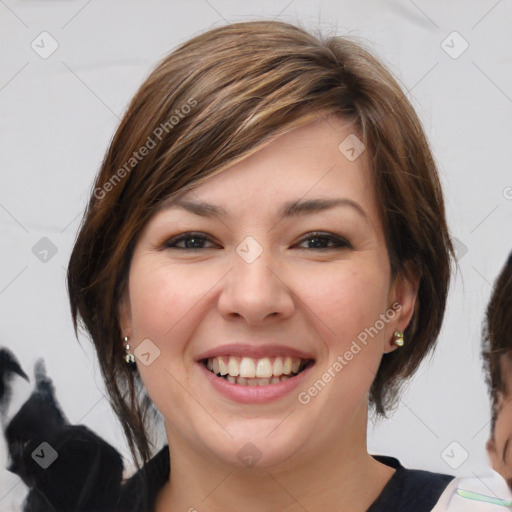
<point>246,371</point>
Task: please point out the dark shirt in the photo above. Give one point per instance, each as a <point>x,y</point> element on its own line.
<point>408,490</point>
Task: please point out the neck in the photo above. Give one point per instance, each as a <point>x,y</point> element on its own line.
<point>342,476</point>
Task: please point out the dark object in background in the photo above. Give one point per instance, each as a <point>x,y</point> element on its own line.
<point>9,367</point>
<point>77,472</point>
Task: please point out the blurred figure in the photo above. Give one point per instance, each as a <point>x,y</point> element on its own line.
<point>491,491</point>
<point>497,354</point>
<point>67,467</point>
<point>9,368</point>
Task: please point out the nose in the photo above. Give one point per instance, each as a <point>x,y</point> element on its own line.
<point>255,290</point>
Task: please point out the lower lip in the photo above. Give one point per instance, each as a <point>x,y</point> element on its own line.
<point>255,394</point>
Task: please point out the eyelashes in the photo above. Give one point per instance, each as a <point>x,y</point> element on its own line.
<point>172,243</point>
<point>194,241</point>
<point>336,241</point>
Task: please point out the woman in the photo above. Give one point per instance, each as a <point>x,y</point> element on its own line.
<point>265,253</point>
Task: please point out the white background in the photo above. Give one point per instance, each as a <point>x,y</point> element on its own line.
<point>57,116</point>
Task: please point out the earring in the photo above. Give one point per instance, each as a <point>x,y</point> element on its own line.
<point>129,357</point>
<point>399,338</point>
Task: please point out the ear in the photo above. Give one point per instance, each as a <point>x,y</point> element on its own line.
<point>402,299</point>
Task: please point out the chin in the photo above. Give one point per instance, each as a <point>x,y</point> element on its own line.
<point>259,443</point>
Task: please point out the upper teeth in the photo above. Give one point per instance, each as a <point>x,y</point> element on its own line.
<point>247,367</point>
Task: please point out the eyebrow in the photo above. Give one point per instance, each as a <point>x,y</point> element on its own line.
<point>290,209</point>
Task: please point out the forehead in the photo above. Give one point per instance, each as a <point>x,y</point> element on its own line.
<point>324,158</point>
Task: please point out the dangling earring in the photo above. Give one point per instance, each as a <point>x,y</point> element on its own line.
<point>129,357</point>
<point>399,338</point>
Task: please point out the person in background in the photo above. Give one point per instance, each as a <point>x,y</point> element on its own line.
<point>497,354</point>
<point>491,491</point>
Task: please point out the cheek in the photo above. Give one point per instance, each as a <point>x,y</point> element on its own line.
<point>162,302</point>
<point>352,304</point>
<point>503,430</point>
<point>162,297</point>
<point>350,300</point>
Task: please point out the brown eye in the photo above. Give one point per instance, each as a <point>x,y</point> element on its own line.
<point>325,241</point>
<point>190,241</point>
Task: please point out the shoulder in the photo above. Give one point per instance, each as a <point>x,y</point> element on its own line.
<point>486,492</point>
<point>409,489</point>
<point>140,491</point>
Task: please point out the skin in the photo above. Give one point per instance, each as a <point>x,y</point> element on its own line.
<point>500,455</point>
<point>313,456</point>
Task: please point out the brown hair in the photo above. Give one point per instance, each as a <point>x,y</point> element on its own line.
<point>219,98</point>
<point>497,337</point>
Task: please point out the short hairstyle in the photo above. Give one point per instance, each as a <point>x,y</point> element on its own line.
<point>497,337</point>
<point>212,102</point>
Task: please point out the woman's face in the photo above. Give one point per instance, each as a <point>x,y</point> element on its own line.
<point>268,280</point>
